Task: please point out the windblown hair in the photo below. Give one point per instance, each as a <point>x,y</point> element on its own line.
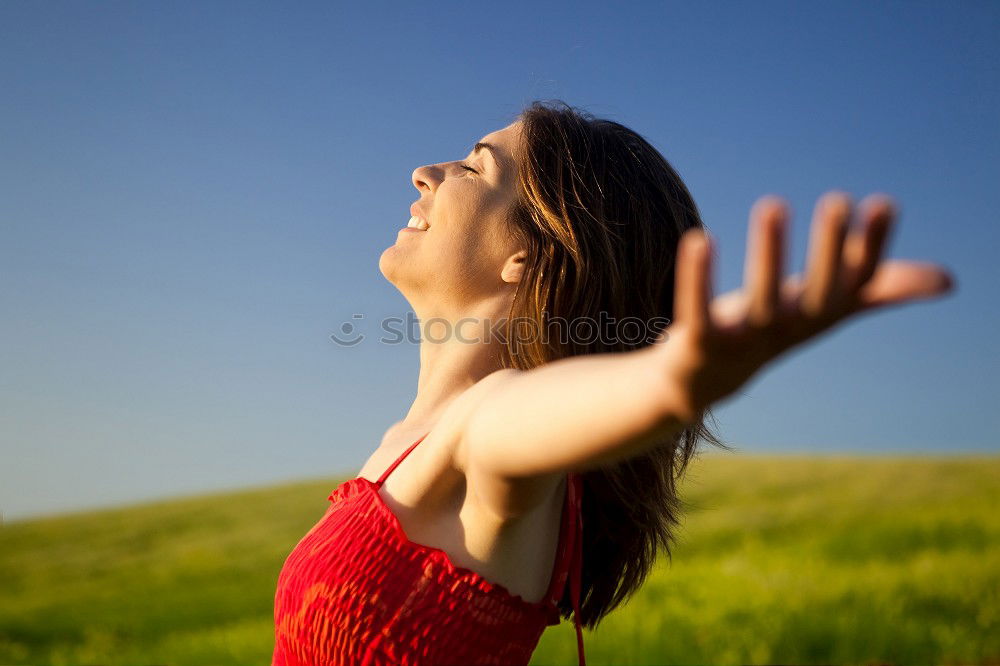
<point>601,213</point>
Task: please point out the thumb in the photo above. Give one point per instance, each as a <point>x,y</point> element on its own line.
<point>897,282</point>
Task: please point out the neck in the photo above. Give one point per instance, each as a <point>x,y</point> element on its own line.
<point>456,351</point>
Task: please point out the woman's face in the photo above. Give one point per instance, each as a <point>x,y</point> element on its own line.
<point>465,255</point>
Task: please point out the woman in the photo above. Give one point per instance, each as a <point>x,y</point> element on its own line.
<point>534,476</point>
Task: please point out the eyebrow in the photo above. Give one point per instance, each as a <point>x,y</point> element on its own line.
<point>490,147</point>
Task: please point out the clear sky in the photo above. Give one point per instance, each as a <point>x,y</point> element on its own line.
<point>194,197</point>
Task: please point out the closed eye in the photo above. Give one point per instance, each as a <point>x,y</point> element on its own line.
<point>468,168</point>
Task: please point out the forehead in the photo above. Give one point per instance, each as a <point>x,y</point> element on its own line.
<point>506,137</point>
<point>506,141</point>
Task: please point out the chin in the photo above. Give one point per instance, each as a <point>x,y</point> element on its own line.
<point>396,266</point>
<point>387,263</point>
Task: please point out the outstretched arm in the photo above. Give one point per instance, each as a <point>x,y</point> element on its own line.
<point>527,428</point>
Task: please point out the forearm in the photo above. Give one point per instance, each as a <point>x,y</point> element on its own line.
<point>574,414</point>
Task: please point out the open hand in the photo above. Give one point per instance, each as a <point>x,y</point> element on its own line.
<point>714,346</point>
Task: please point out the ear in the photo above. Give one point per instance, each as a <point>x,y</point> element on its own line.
<point>513,268</point>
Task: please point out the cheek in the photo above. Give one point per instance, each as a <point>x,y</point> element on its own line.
<point>483,241</point>
<point>466,254</point>
<point>470,244</point>
<point>471,229</point>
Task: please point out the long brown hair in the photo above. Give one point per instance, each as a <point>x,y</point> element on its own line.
<point>600,214</point>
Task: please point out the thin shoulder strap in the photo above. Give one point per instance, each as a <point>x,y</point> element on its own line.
<point>569,565</point>
<point>405,453</point>
<point>576,563</point>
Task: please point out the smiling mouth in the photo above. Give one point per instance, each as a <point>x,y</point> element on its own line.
<point>418,223</point>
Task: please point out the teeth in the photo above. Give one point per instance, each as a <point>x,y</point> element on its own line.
<point>418,223</point>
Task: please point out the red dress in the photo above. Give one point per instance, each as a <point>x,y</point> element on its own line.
<point>355,590</point>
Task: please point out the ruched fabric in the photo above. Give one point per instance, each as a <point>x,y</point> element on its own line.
<point>356,591</point>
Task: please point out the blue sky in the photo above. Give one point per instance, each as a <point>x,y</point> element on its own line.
<point>194,196</point>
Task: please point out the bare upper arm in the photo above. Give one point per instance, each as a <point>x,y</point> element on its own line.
<point>506,498</point>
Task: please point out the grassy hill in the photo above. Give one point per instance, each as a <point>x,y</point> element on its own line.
<point>782,560</point>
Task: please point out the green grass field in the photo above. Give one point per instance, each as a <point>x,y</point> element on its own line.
<point>781,560</point>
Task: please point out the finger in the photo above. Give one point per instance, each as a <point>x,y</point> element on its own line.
<point>764,258</point>
<point>896,282</point>
<point>826,241</point>
<point>864,247</point>
<point>693,290</point>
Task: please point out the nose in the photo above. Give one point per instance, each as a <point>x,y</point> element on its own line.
<point>427,177</point>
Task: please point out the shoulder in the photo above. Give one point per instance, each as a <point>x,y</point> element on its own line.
<point>454,418</point>
<point>436,472</point>
<point>451,466</point>
<point>504,498</point>
<point>451,426</point>
<point>491,381</point>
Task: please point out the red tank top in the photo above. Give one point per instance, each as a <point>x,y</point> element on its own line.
<point>355,590</point>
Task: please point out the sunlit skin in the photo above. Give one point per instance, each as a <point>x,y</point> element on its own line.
<point>485,485</point>
<point>717,344</point>
<point>464,266</point>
